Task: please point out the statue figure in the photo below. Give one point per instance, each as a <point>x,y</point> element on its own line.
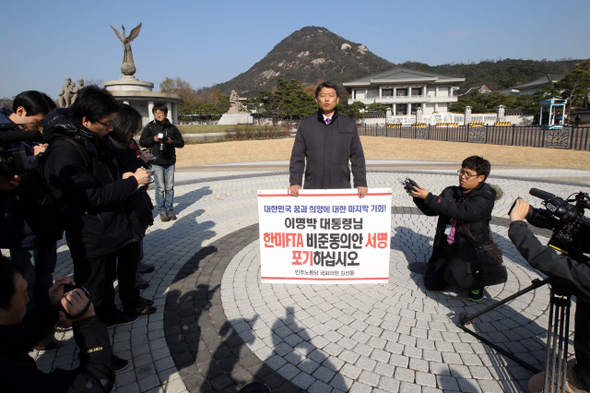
<point>76,89</point>
<point>128,66</point>
<point>65,95</point>
<point>234,100</point>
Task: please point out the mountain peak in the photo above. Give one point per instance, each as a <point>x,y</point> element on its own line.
<point>311,55</point>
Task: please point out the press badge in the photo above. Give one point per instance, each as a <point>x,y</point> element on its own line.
<point>448,229</point>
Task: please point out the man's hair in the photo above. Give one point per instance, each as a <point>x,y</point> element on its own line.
<point>160,107</point>
<point>128,123</point>
<point>326,84</point>
<point>7,275</point>
<point>478,164</point>
<point>93,103</point>
<point>34,102</point>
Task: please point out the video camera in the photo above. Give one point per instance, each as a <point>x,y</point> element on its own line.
<point>571,229</point>
<point>13,159</point>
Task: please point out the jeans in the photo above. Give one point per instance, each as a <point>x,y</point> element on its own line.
<point>164,180</point>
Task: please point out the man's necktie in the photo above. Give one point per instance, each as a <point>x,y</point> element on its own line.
<point>328,120</point>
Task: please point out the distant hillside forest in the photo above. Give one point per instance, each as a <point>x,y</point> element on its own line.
<point>293,98</point>
<point>498,75</point>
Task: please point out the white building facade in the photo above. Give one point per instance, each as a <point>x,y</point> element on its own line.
<point>407,92</point>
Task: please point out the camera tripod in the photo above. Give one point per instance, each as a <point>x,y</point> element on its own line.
<point>557,335</point>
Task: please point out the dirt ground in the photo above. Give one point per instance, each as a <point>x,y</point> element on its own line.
<point>380,148</point>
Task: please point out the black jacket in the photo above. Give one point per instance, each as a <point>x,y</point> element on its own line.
<point>19,373</point>
<point>97,223</point>
<point>473,209</point>
<point>153,128</point>
<point>324,151</point>
<point>565,272</point>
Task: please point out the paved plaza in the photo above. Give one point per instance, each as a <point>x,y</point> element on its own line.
<point>218,327</point>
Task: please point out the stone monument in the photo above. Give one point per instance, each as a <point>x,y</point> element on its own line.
<point>236,113</point>
<point>128,66</point>
<point>65,95</point>
<point>138,94</point>
<point>76,89</point>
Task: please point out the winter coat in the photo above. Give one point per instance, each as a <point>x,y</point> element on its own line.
<point>15,233</point>
<point>565,272</point>
<point>168,155</point>
<point>18,370</point>
<point>324,152</point>
<point>474,209</point>
<point>96,220</point>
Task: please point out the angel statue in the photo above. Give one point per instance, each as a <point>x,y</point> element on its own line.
<point>128,66</point>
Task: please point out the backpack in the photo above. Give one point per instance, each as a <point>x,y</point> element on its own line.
<point>41,209</point>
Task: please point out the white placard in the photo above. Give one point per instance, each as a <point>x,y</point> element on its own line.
<point>325,236</point>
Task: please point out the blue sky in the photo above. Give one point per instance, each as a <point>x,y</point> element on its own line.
<point>209,42</point>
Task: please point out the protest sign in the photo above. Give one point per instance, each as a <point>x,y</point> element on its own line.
<point>324,236</point>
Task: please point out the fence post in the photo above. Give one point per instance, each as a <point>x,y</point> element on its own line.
<point>513,132</point>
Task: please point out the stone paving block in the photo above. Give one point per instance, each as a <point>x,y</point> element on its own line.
<point>358,387</point>
<point>324,374</point>
<point>404,374</point>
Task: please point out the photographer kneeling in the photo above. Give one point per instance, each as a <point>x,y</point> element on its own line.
<point>464,214</point>
<point>566,273</point>
<point>18,335</point>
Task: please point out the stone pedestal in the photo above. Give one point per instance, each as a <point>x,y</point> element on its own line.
<point>138,94</point>
<point>232,119</point>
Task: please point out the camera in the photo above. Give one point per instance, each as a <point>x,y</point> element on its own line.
<point>571,229</point>
<point>162,143</point>
<point>409,184</point>
<point>13,157</point>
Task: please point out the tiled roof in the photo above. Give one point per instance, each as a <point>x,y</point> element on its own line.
<point>398,75</point>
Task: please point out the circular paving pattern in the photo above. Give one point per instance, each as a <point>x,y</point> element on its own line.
<point>218,328</point>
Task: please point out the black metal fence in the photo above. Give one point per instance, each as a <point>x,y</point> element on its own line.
<point>575,138</point>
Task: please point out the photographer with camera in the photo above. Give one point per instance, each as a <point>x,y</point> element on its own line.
<point>565,272</point>
<point>162,138</point>
<point>19,333</point>
<point>464,214</point>
<point>34,255</point>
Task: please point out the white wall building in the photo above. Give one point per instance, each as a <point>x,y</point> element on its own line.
<point>406,91</point>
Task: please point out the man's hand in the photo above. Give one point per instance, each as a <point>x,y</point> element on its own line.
<point>362,191</point>
<point>294,190</point>
<point>418,192</point>
<point>56,292</point>
<point>142,176</point>
<point>8,182</point>
<point>156,139</point>
<point>520,210</point>
<point>169,141</point>
<point>37,149</point>
<point>145,156</point>
<point>74,302</point>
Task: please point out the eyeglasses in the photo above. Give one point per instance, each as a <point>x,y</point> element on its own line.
<point>108,124</point>
<point>468,176</point>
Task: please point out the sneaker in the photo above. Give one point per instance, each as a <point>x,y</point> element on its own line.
<point>118,318</point>
<point>475,295</point>
<point>140,283</point>
<point>118,364</point>
<point>145,302</point>
<point>164,217</point>
<point>170,214</point>
<point>144,268</point>
<point>141,310</point>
